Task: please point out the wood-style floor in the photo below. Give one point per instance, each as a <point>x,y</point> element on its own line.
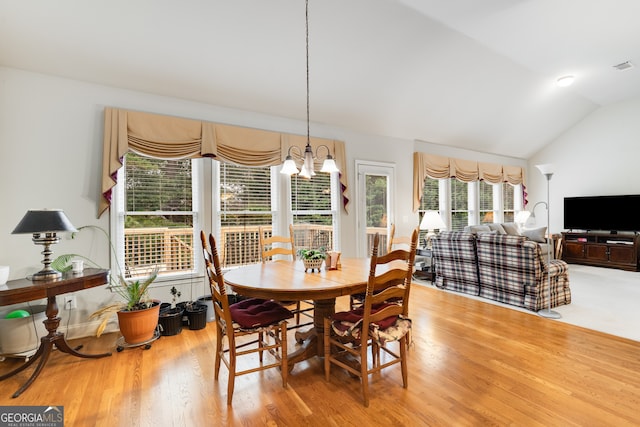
<point>471,364</point>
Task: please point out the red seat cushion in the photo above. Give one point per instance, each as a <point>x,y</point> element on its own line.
<point>256,312</point>
<point>354,316</point>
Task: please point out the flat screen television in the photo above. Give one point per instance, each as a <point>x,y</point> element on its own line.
<point>602,213</point>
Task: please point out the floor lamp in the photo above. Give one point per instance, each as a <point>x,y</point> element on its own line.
<point>547,171</point>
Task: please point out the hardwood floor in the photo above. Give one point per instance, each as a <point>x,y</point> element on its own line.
<point>472,363</point>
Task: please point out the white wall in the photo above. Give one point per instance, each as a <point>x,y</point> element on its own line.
<point>51,157</point>
<point>598,156</point>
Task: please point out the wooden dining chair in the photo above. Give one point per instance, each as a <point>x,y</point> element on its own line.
<point>393,242</point>
<point>382,319</point>
<point>273,245</point>
<point>253,316</point>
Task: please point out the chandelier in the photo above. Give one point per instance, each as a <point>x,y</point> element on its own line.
<point>307,171</point>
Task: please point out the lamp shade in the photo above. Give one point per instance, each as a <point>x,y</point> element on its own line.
<point>329,165</point>
<point>43,221</point>
<point>522,217</point>
<point>546,169</point>
<point>432,221</point>
<point>289,167</point>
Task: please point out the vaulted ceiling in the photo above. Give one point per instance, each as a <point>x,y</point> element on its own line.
<point>466,73</point>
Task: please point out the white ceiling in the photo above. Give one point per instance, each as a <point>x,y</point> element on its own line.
<point>476,74</point>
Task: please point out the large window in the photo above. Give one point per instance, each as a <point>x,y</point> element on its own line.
<point>250,198</point>
<point>157,211</point>
<point>461,204</point>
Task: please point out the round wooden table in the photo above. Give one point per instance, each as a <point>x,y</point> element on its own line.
<point>287,281</point>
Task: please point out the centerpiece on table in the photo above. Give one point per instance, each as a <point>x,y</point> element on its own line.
<point>312,258</point>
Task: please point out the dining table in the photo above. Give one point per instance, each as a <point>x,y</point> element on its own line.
<point>288,281</point>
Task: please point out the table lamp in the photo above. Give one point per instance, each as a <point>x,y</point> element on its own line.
<point>431,221</point>
<point>44,224</point>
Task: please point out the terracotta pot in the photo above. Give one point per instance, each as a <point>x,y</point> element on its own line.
<point>139,326</point>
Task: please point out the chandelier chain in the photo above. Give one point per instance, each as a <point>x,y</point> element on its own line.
<point>307,45</point>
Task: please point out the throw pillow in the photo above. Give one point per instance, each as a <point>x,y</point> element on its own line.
<point>497,228</point>
<point>536,234</point>
<point>511,228</point>
<point>475,229</point>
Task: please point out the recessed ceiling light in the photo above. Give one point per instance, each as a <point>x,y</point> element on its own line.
<point>623,66</point>
<point>565,81</point>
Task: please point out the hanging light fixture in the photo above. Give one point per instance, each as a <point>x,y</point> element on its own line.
<point>307,171</point>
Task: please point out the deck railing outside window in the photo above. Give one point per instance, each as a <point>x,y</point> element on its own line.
<point>172,248</point>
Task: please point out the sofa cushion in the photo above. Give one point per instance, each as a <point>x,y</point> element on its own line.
<point>475,229</point>
<point>511,228</point>
<point>497,227</point>
<point>535,234</point>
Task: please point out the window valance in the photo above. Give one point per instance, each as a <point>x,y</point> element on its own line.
<point>173,137</point>
<point>439,167</point>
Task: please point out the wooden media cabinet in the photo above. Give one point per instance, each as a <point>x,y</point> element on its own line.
<point>601,249</point>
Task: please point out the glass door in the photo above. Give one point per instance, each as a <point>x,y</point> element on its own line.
<point>375,199</point>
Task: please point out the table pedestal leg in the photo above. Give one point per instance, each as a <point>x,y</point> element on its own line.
<point>312,340</point>
<point>46,345</point>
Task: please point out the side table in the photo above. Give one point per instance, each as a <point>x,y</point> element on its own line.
<point>23,290</point>
<point>427,272</point>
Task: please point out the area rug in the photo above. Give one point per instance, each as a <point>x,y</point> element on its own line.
<point>602,299</point>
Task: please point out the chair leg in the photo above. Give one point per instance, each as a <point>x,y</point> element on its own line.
<point>219,351</point>
<point>232,375</point>
<point>403,360</point>
<point>364,371</point>
<point>261,344</point>
<point>298,313</point>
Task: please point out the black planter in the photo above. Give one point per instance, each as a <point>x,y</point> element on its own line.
<point>197,316</point>
<point>170,320</point>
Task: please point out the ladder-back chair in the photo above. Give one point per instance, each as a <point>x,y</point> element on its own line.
<point>382,319</point>
<point>273,245</point>
<point>252,316</point>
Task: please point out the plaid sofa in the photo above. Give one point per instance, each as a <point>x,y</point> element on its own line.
<point>456,263</point>
<point>512,271</point>
<point>508,269</point>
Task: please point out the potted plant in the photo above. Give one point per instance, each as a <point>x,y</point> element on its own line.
<point>196,315</point>
<point>312,258</point>
<point>137,313</point>
<point>171,316</point>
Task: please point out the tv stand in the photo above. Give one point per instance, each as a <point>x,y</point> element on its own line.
<point>602,249</point>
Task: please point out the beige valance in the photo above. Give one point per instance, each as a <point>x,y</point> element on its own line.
<point>439,167</point>
<point>173,137</point>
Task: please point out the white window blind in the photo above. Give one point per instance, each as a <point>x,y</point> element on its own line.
<point>313,205</point>
<point>245,205</point>
<point>485,193</point>
<point>159,216</point>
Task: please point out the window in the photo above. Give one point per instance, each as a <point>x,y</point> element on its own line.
<point>485,193</point>
<point>430,200</point>
<point>459,204</point>
<point>314,210</point>
<point>245,195</point>
<point>157,210</point>
<point>250,197</point>
<point>509,201</point>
